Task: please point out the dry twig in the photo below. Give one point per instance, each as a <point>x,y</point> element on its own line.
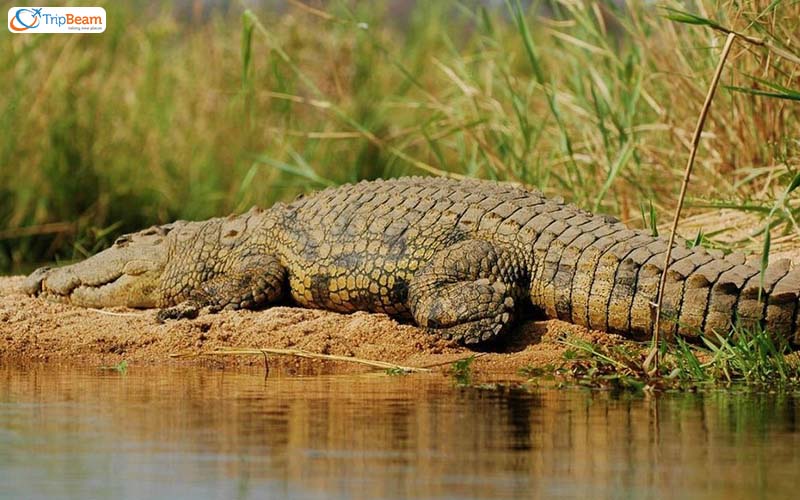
<point>112,313</point>
<point>652,357</point>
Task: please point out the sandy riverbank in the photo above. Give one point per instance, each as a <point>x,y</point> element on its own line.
<point>34,330</point>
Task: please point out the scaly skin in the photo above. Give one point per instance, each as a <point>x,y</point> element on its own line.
<point>461,258</point>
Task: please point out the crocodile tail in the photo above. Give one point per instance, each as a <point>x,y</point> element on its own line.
<point>608,280</point>
<point>708,295</point>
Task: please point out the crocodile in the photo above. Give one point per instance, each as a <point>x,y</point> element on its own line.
<point>462,258</point>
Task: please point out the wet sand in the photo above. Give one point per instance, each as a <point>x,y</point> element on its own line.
<point>35,330</point>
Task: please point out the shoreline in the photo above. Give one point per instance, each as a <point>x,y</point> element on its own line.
<point>35,330</point>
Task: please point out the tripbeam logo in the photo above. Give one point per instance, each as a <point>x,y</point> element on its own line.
<point>56,20</point>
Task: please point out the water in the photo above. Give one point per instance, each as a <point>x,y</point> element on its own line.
<point>181,433</point>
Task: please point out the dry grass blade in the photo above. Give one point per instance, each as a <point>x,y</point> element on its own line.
<point>247,351</point>
<point>39,229</point>
<point>688,18</point>
<point>652,357</point>
<point>112,313</point>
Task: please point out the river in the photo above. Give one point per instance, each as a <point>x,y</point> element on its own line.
<point>81,432</point>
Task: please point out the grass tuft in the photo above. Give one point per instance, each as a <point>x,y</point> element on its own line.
<point>745,358</point>
<point>461,371</point>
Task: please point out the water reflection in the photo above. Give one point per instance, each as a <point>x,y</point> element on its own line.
<point>181,432</point>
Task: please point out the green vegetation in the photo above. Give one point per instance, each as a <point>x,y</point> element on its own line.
<point>461,371</point>
<point>171,115</point>
<point>396,371</point>
<point>751,358</point>
<point>121,367</point>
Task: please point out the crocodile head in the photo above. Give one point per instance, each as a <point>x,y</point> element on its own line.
<point>126,274</point>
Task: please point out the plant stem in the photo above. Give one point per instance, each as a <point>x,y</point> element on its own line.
<point>701,120</point>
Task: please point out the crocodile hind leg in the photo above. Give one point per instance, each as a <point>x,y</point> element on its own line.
<point>468,292</point>
<point>254,281</point>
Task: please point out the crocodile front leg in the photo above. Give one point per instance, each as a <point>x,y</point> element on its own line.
<point>468,292</point>
<point>254,281</point>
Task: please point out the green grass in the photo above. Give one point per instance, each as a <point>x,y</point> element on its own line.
<point>121,367</point>
<point>394,372</point>
<point>166,117</point>
<point>461,371</point>
<point>745,358</point>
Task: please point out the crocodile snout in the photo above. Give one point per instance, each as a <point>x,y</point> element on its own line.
<point>127,274</point>
<point>33,283</point>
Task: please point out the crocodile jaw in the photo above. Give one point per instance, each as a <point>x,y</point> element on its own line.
<point>127,274</point>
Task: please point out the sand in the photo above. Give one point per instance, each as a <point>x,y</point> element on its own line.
<point>35,330</point>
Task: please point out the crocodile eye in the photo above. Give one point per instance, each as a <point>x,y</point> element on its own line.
<point>609,219</point>
<point>162,230</point>
<point>122,240</point>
